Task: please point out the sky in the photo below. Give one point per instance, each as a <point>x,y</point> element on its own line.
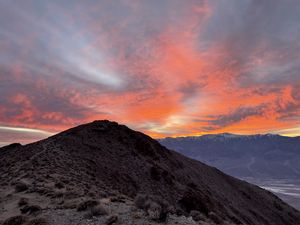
<point>163,67</point>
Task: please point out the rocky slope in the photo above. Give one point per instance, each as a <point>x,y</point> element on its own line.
<point>104,159</point>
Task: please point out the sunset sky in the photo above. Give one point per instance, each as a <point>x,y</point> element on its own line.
<point>163,67</point>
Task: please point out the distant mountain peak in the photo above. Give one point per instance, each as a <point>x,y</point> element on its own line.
<point>222,135</point>
<point>225,136</point>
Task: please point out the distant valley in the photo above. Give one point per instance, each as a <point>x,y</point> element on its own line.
<point>270,161</point>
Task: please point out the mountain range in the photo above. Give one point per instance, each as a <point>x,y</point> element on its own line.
<point>268,160</point>
<point>258,156</point>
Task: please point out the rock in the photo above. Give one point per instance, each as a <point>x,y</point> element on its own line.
<point>20,186</point>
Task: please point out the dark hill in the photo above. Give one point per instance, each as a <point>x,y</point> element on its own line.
<point>103,158</point>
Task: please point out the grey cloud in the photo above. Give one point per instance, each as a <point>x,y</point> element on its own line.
<point>257,29</point>
<point>190,89</point>
<point>234,117</point>
<point>289,109</point>
<point>51,37</point>
<point>43,100</point>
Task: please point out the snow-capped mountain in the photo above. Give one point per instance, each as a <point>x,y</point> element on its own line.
<point>261,155</point>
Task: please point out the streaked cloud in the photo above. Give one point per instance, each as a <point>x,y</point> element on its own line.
<point>19,134</point>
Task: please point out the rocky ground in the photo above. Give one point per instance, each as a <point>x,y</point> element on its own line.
<point>26,206</point>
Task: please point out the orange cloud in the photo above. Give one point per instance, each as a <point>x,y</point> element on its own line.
<point>166,68</point>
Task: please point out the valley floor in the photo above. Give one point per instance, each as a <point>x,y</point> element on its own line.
<point>286,189</point>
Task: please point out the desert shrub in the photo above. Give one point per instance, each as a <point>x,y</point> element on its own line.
<point>228,223</point>
<point>154,210</point>
<point>137,215</point>
<point>111,220</point>
<point>15,220</point>
<point>214,217</point>
<point>140,201</point>
<point>40,179</point>
<point>70,205</point>
<point>155,173</point>
<point>31,209</point>
<point>194,200</point>
<point>165,207</point>
<point>118,198</point>
<point>42,190</point>
<point>96,211</point>
<point>70,194</point>
<point>91,194</point>
<point>86,205</point>
<point>179,212</point>
<point>196,215</point>
<point>37,221</point>
<point>192,185</point>
<point>154,206</point>
<point>57,194</point>
<point>22,202</point>
<point>278,206</point>
<point>20,186</point>
<point>59,185</point>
